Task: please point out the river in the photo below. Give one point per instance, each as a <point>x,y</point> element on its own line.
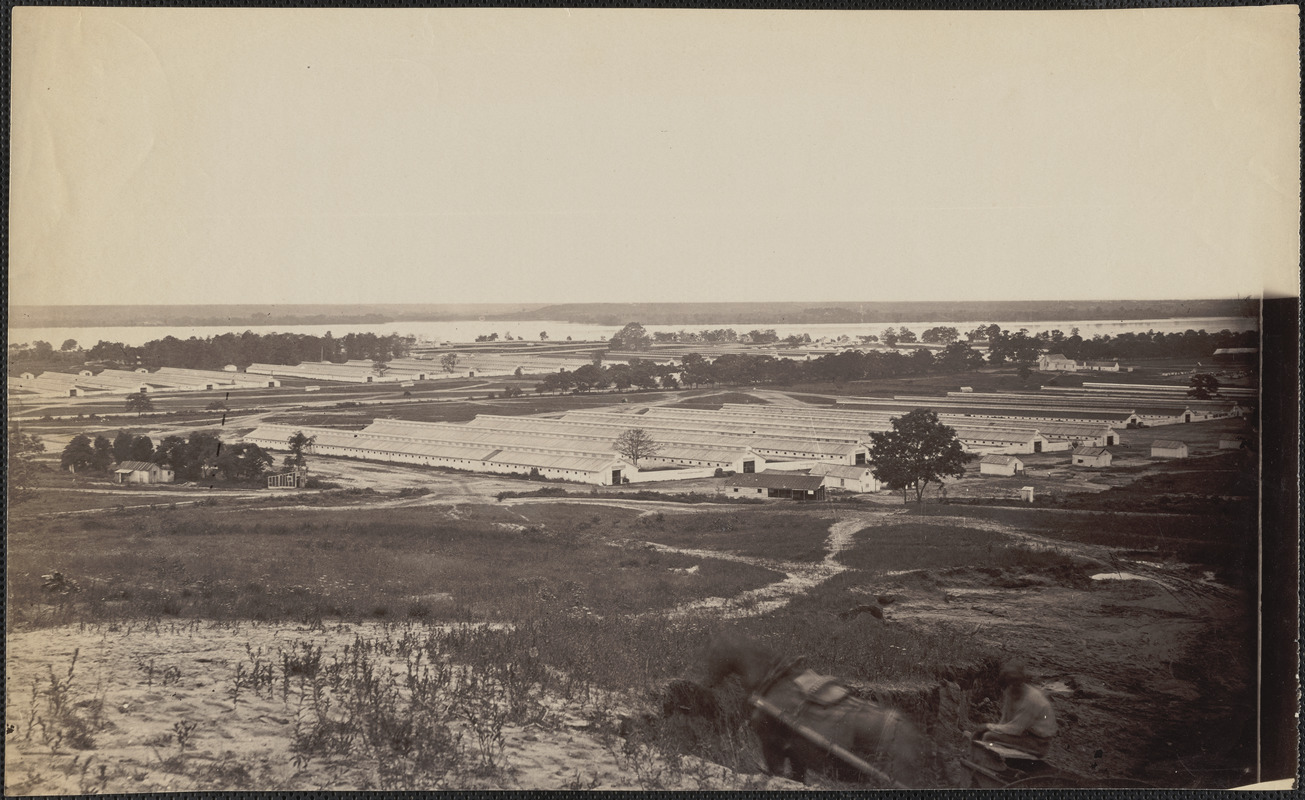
<point>468,330</point>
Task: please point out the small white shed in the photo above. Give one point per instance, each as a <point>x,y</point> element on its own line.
<point>141,472</point>
<point>1000,465</point>
<point>1168,448</point>
<point>849,477</point>
<point>1091,457</point>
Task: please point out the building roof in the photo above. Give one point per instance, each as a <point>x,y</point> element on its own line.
<point>776,480</point>
<point>1167,444</point>
<point>1101,363</point>
<point>1004,461</point>
<point>826,469</point>
<point>1090,451</point>
<point>136,466</point>
<point>1057,357</point>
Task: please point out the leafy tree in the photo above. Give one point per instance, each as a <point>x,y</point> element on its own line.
<point>940,335</point>
<point>696,369</point>
<point>589,377</point>
<point>140,403</point>
<point>1203,386</point>
<point>449,361</point>
<point>69,345</point>
<point>244,460</point>
<point>636,443</point>
<point>670,382</point>
<point>103,453</point>
<point>21,476</point>
<point>122,446</point>
<point>79,454</point>
<point>299,444</point>
<point>919,450</point>
<point>632,337</point>
<point>142,449</point>
<point>905,334</point>
<point>959,357</point>
<point>643,373</point>
<point>889,337</point>
<point>543,336</point>
<point>621,376</point>
<point>518,372</point>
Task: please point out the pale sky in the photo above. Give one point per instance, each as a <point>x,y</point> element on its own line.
<point>480,155</point>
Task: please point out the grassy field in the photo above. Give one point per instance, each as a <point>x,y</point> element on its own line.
<point>397,564</point>
<point>786,535</point>
<point>716,400</point>
<point>926,546</point>
<point>1224,542</point>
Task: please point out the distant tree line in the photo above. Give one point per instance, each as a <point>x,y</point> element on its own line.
<point>1004,347</point>
<point>1021,345</point>
<point>738,369</point>
<point>214,352</point>
<point>242,349</point>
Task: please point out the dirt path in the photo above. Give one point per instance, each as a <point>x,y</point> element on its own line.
<point>799,576</point>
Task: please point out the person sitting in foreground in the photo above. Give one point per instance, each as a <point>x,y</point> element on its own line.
<point>1028,721</point>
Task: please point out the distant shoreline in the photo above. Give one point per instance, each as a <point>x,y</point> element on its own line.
<point>620,313</point>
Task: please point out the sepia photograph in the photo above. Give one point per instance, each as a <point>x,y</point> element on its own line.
<point>652,399</point>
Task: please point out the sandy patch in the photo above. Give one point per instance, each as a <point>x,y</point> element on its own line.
<point>145,691</point>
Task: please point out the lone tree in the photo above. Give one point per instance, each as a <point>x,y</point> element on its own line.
<point>919,450</point>
<point>1203,386</point>
<point>299,444</point>
<point>449,361</point>
<point>140,403</point>
<point>635,444</point>
<point>632,337</point>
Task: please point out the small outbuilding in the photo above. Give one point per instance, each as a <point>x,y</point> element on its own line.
<point>1091,457</point>
<point>1167,448</point>
<point>1000,465</point>
<point>1056,362</point>
<point>851,478</point>
<point>141,472</point>
<point>777,485</point>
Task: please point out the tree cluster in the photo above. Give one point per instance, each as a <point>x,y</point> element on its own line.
<point>741,369</point>
<point>196,456</point>
<point>1021,345</point>
<point>639,373</point>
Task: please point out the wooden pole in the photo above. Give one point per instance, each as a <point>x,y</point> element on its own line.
<point>821,741</point>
